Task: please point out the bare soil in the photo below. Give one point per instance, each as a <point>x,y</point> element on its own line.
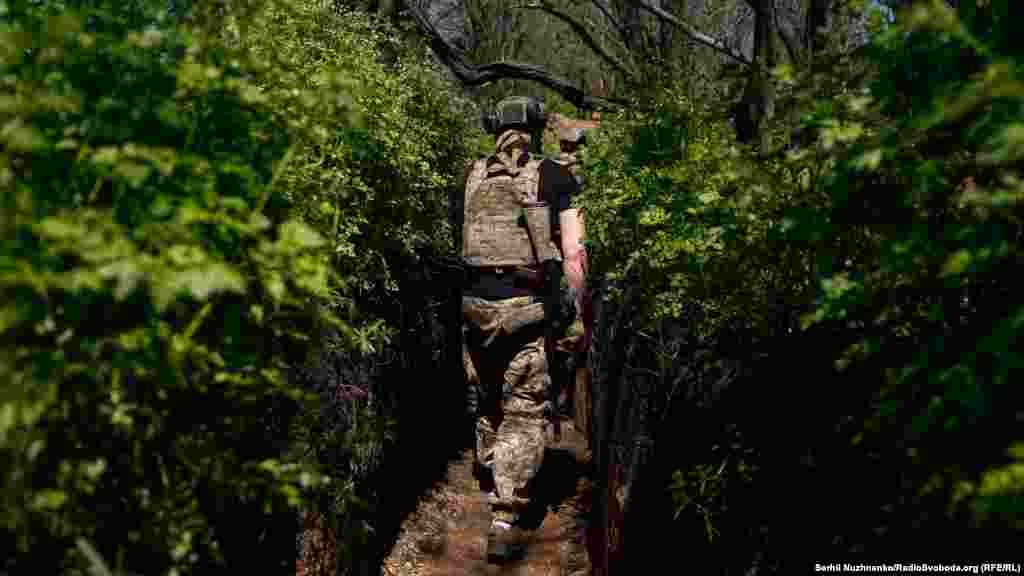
<point>446,536</point>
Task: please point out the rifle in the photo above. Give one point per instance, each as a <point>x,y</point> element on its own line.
<point>537,222</point>
<point>552,326</point>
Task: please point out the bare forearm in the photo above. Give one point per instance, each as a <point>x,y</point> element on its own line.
<point>574,254</point>
<point>575,268</point>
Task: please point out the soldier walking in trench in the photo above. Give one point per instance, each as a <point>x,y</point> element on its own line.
<point>574,509</point>
<point>519,236</point>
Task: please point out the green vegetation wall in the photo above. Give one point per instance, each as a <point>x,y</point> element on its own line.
<point>827,332</point>
<point>192,196</point>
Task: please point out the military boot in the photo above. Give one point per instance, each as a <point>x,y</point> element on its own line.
<point>506,542</point>
<point>573,516</point>
<point>484,476</point>
<point>575,504</point>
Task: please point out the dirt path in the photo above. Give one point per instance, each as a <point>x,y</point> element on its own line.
<point>445,536</point>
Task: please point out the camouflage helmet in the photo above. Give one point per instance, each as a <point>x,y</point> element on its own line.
<point>516,112</point>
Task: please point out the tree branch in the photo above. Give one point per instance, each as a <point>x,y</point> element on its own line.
<point>693,33</point>
<point>608,14</point>
<point>790,43</point>
<point>788,40</point>
<point>581,31</point>
<point>478,75</point>
<point>522,71</point>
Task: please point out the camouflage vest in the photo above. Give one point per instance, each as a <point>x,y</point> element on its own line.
<point>494,232</point>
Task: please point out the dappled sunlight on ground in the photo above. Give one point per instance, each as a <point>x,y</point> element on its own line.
<point>446,535</point>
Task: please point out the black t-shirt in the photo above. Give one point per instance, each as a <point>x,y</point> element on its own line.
<point>556,187</point>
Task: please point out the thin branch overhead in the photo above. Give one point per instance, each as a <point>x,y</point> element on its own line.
<point>693,33</point>
<point>585,35</point>
<point>606,12</point>
<point>471,75</point>
<point>789,41</point>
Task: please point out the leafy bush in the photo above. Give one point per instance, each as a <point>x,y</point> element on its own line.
<point>934,196</point>
<point>881,225</point>
<point>190,197</point>
<point>661,206</point>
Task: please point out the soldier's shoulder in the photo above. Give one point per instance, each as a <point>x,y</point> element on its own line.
<point>553,163</point>
<point>474,164</point>
<point>547,161</point>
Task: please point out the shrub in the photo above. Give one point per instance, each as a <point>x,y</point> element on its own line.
<point>191,196</point>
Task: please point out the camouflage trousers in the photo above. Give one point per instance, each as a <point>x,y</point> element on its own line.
<point>505,367</point>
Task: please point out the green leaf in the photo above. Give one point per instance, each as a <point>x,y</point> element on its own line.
<point>1016,451</point>
<point>234,204</point>
<point>259,221</point>
<point>298,234</point>
<point>257,312</point>
<point>10,316</point>
<point>1007,479</point>
<point>57,228</point>
<point>203,282</point>
<point>186,255</point>
<point>108,155</point>
<point>291,494</point>
<point>275,286</point>
<point>127,274</point>
<point>8,420</point>
<point>869,160</point>
<point>96,564</point>
<point>199,283</point>
<point>49,499</point>
<point>94,469</point>
<point>957,263</point>
<point>134,173</point>
<point>19,137</point>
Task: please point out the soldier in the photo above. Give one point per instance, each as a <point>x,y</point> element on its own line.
<point>515,218</point>
<point>574,508</point>
<point>569,141</point>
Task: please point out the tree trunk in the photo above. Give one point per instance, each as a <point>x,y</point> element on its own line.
<point>765,40</point>
<point>665,34</point>
<point>631,25</point>
<point>386,8</point>
<point>757,103</point>
<point>816,20</point>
